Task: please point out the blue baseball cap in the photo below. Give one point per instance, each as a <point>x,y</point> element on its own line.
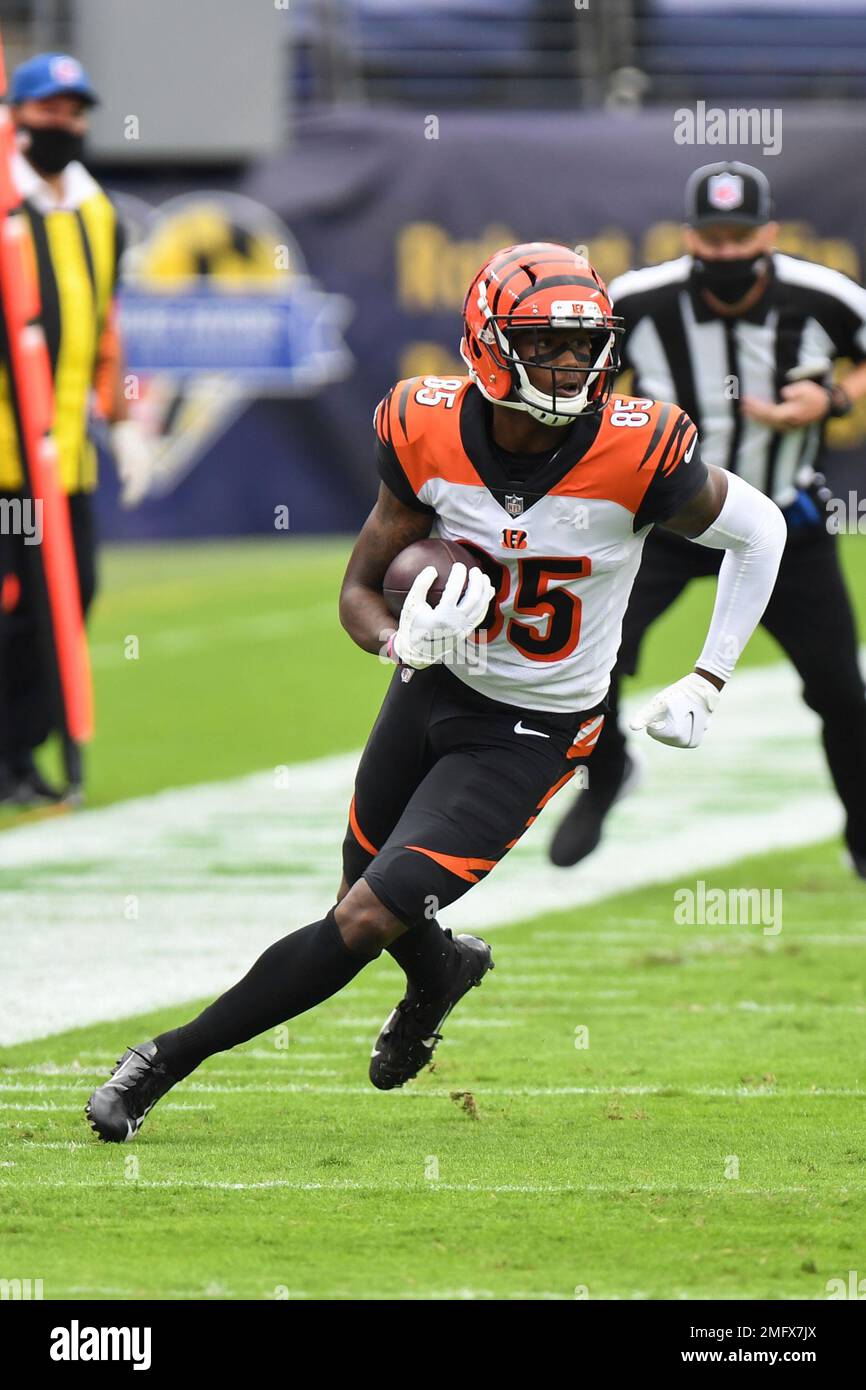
<point>51,75</point>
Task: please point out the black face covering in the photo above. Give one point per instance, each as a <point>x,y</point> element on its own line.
<point>731,280</point>
<point>52,147</point>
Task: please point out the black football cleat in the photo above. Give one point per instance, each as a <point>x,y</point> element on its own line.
<point>410,1033</point>
<point>579,832</point>
<point>117,1109</point>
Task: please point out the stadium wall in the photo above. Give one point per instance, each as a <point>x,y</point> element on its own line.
<point>390,213</point>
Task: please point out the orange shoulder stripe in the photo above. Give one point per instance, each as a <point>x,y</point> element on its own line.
<point>426,435</point>
<point>621,463</point>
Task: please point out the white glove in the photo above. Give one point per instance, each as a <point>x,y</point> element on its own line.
<point>134,457</point>
<point>427,635</point>
<point>679,714</point>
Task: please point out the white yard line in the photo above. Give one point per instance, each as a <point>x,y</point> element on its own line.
<point>169,898</point>
<point>621,1189</point>
<point>665,1089</point>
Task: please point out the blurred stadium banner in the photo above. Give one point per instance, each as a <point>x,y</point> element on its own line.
<point>368,228</point>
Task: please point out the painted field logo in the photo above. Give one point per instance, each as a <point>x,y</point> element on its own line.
<point>77,1343</point>
<point>14,1289</point>
<point>734,907</point>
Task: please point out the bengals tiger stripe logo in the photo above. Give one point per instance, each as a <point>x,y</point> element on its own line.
<point>513,540</point>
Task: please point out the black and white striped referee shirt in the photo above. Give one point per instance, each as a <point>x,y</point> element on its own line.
<point>681,351</point>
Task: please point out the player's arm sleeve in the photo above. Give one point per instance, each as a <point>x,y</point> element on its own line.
<point>752,532</point>
<point>388,463</point>
<point>678,475</point>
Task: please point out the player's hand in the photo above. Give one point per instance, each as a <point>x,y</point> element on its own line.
<point>679,714</point>
<point>427,635</point>
<point>802,403</point>
<point>134,457</point>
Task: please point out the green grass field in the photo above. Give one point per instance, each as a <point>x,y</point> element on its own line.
<point>708,1142</point>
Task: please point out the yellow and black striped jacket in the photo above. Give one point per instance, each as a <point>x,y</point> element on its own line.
<point>77,245</point>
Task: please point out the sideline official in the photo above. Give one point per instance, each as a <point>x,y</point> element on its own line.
<point>77,246</point>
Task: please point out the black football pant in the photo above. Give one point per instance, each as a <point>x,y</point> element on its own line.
<point>809,615</point>
<point>27,709</point>
<point>447,784</point>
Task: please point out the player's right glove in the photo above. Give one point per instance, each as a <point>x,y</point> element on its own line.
<point>427,635</point>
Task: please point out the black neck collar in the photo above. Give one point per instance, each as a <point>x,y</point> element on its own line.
<point>476,426</point>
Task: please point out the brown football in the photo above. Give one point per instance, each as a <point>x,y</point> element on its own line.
<point>405,568</point>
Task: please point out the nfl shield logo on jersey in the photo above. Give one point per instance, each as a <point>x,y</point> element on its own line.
<point>513,504</point>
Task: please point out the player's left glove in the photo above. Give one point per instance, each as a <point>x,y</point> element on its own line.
<point>134,456</point>
<point>679,714</point>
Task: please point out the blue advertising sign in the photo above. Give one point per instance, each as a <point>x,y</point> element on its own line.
<point>280,342</point>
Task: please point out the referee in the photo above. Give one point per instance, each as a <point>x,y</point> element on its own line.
<point>77,245</point>
<point>743,338</point>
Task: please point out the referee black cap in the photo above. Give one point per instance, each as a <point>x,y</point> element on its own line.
<point>728,192</point>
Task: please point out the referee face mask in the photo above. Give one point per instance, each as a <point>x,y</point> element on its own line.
<point>50,148</point>
<point>730,279</point>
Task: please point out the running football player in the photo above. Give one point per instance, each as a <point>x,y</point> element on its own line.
<point>554,487</point>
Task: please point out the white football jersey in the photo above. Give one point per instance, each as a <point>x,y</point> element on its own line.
<point>561,539</point>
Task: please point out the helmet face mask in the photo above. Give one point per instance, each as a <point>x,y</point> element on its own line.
<point>558,306</point>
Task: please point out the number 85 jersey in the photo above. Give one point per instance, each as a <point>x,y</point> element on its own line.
<point>561,538</point>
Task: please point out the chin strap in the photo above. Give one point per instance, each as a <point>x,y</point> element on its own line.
<point>545,417</point>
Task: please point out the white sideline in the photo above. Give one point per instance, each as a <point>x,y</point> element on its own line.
<point>219,871</point>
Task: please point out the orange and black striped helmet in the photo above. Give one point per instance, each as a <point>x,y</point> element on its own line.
<point>555,294</point>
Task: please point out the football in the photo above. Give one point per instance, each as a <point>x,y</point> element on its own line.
<point>405,568</point>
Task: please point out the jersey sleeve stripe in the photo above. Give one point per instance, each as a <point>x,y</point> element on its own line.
<point>661,426</point>
<point>672,451</point>
<point>381,418</point>
<point>403,404</point>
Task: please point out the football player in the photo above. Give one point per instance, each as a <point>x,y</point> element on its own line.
<point>554,486</point>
